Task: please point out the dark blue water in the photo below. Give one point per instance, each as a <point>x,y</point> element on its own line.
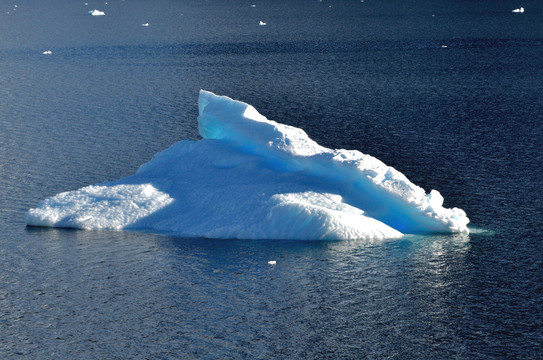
<point>448,92</point>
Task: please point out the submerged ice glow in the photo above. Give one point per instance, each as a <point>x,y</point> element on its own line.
<point>253,178</point>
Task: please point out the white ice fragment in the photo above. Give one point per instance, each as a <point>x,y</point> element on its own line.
<point>444,46</point>
<point>272,262</point>
<point>519,10</point>
<point>253,5</point>
<point>96,13</point>
<point>261,23</point>
<point>47,52</point>
<point>435,199</point>
<point>146,24</point>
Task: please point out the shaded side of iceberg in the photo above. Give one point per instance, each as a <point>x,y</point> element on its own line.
<point>253,178</point>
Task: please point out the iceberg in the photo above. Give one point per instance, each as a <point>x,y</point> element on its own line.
<point>254,178</point>
<point>96,12</point>
<point>519,10</point>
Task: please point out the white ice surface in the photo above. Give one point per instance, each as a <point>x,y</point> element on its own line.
<point>253,178</point>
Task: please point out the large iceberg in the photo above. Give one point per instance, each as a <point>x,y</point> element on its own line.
<point>253,178</point>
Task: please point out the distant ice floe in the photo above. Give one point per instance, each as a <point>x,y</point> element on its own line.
<point>96,13</point>
<point>47,52</point>
<point>519,10</point>
<point>146,24</point>
<point>254,178</point>
<point>261,23</point>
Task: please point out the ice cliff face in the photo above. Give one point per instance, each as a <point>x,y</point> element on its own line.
<point>253,178</point>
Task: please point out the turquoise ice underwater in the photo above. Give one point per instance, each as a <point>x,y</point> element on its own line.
<point>253,178</point>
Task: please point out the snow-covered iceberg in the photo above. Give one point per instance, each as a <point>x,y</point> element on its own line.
<point>253,178</point>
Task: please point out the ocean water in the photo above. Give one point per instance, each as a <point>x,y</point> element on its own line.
<point>449,93</point>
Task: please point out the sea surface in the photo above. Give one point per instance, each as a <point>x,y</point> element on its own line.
<point>448,92</point>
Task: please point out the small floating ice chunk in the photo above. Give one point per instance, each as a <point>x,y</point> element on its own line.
<point>519,10</point>
<point>47,52</point>
<point>261,23</point>
<point>146,24</point>
<point>444,46</point>
<point>272,262</point>
<point>253,5</point>
<point>96,13</point>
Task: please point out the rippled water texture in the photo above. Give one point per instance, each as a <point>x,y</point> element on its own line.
<point>449,93</point>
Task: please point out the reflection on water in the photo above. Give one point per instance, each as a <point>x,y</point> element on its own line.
<point>118,294</point>
<point>116,289</point>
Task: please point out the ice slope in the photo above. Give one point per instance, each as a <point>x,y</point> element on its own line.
<point>253,178</point>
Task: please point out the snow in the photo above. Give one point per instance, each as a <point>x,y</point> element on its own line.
<point>96,13</point>
<point>101,206</point>
<point>253,178</point>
